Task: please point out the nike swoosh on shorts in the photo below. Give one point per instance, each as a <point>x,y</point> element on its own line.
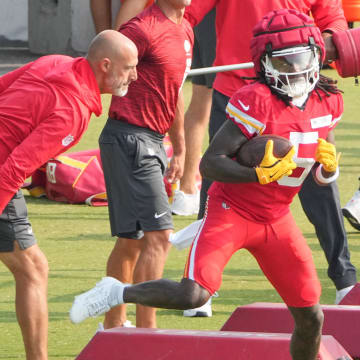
<point>156,216</point>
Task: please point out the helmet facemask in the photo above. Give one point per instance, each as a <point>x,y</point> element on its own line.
<point>292,71</point>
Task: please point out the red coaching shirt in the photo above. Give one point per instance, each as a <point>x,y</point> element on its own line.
<point>45,107</point>
<point>255,110</point>
<point>165,51</point>
<point>235,20</point>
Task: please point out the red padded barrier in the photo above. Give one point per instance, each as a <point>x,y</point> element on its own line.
<point>342,322</point>
<point>347,44</point>
<point>157,344</point>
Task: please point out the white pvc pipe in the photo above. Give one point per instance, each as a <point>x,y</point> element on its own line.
<point>215,69</point>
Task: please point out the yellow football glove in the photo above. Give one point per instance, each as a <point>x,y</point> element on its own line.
<point>326,155</point>
<point>272,168</point>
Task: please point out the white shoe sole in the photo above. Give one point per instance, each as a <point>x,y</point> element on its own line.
<point>351,219</point>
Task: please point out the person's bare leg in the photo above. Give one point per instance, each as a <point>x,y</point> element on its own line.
<point>195,123</point>
<point>120,265</point>
<point>167,294</point>
<point>30,270</point>
<point>306,337</point>
<point>150,266</point>
<point>101,14</point>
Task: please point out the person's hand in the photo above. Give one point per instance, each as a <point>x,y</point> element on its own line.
<point>176,168</point>
<point>330,49</point>
<point>272,168</point>
<point>326,155</point>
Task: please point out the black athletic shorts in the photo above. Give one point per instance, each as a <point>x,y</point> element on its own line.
<point>15,225</point>
<point>204,49</point>
<point>134,161</point>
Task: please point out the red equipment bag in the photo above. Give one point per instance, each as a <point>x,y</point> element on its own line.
<point>78,178</point>
<point>74,178</point>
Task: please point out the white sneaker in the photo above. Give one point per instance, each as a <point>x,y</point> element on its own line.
<point>126,324</point>
<point>100,327</point>
<point>185,204</point>
<point>202,311</point>
<point>94,302</point>
<point>352,211</point>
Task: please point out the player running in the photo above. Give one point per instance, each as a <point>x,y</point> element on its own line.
<point>249,207</point>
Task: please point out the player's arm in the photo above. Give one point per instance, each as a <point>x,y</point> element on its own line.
<point>217,163</point>
<point>196,11</point>
<point>45,142</point>
<point>177,137</point>
<point>128,10</point>
<point>329,17</point>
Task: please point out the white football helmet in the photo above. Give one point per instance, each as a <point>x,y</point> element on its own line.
<point>292,71</point>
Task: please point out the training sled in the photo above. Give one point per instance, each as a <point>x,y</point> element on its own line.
<point>352,297</point>
<point>158,344</point>
<point>342,322</point>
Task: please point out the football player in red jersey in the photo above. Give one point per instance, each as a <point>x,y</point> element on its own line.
<point>234,22</point>
<point>249,207</point>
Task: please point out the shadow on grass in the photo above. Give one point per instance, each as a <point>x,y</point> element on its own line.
<point>45,201</point>
<point>351,125</point>
<point>59,316</point>
<point>6,284</point>
<point>87,237</point>
<point>8,317</point>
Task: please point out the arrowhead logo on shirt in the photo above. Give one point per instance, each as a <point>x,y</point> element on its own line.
<point>67,140</point>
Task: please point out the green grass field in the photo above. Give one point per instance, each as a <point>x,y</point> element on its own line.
<point>76,240</point>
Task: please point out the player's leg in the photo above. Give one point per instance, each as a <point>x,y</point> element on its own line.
<point>121,265</point>
<point>150,266</point>
<point>167,294</point>
<point>101,14</point>
<point>138,202</point>
<point>153,214</point>
<point>117,155</point>
<point>211,250</point>
<point>162,293</point>
<point>286,260</point>
<point>321,204</point>
<point>196,123</point>
<point>306,337</point>
<point>217,119</point>
<point>22,256</point>
<point>186,199</point>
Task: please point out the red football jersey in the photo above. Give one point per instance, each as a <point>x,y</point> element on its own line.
<point>235,20</point>
<point>165,52</point>
<point>255,110</point>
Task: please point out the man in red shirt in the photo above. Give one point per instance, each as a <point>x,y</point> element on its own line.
<point>45,107</point>
<point>249,207</point>
<point>234,23</point>
<point>132,153</point>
